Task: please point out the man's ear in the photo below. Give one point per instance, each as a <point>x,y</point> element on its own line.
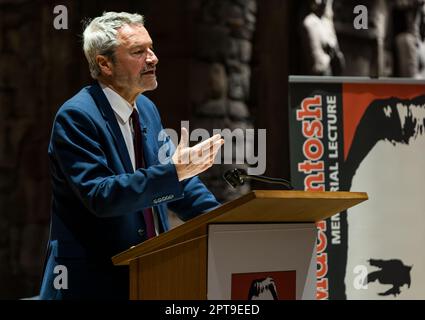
<point>105,64</point>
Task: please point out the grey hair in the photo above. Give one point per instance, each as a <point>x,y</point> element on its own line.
<point>100,36</point>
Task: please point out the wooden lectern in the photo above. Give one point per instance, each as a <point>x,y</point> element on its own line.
<point>174,264</point>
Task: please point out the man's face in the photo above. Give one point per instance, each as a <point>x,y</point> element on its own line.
<point>135,62</point>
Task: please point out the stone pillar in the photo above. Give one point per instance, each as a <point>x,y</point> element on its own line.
<point>364,49</point>
<point>24,184</point>
<point>37,72</point>
<point>220,79</point>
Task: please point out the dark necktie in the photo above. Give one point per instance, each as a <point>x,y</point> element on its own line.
<point>140,163</point>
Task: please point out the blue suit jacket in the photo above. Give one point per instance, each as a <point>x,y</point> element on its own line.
<point>98,198</point>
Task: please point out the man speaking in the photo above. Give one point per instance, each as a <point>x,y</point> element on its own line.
<point>110,189</point>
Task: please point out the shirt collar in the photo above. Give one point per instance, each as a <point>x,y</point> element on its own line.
<point>120,106</point>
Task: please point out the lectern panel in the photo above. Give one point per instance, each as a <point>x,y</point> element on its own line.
<point>256,261</point>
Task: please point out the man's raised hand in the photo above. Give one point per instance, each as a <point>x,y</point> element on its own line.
<point>191,161</point>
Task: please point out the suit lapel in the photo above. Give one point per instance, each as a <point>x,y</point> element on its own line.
<point>112,124</point>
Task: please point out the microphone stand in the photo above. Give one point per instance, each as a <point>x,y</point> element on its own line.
<point>237,177</point>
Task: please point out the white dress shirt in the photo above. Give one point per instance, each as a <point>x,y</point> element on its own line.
<point>123,109</point>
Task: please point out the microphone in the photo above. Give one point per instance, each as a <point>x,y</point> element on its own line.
<point>237,177</point>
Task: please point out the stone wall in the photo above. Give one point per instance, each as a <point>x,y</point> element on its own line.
<point>220,80</point>
<point>23,167</point>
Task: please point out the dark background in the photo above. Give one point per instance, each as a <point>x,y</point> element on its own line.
<point>222,62</point>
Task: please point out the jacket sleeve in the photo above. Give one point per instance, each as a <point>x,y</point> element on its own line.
<point>197,199</point>
<point>77,150</point>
